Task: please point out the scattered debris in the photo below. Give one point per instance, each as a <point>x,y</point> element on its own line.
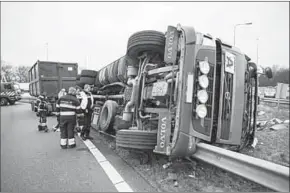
<point>261,113</point>
<point>172,176</point>
<point>175,184</point>
<point>255,142</point>
<point>165,166</point>
<point>193,175</point>
<point>279,127</point>
<point>275,121</point>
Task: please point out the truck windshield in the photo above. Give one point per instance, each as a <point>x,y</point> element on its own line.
<point>203,40</point>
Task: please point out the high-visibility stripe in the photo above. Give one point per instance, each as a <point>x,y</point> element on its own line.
<point>71,141</point>
<point>42,124</point>
<point>57,113</point>
<point>57,105</point>
<point>63,141</point>
<point>67,113</point>
<point>67,106</point>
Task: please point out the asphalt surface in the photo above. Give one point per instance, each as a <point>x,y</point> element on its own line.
<point>32,161</point>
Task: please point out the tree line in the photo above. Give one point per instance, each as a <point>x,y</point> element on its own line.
<point>14,73</point>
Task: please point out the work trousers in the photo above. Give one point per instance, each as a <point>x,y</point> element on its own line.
<point>42,120</point>
<point>87,124</point>
<point>57,118</point>
<point>67,125</point>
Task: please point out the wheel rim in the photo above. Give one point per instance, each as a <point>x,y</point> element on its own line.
<point>2,102</point>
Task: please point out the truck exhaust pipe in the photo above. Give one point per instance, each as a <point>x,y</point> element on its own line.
<point>127,114</point>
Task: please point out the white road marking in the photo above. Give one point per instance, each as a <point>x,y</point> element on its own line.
<point>111,172</point>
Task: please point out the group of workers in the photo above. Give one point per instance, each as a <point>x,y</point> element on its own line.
<point>72,109</point>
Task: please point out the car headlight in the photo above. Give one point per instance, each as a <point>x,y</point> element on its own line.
<point>201,111</point>
<point>202,96</point>
<point>204,67</point>
<point>203,81</point>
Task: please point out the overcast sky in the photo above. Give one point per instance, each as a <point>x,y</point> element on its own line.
<point>99,31</point>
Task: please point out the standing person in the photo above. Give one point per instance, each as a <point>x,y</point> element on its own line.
<point>42,111</point>
<point>68,107</point>
<point>61,93</point>
<point>80,121</point>
<point>87,107</point>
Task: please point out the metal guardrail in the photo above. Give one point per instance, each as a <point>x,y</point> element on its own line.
<point>268,174</point>
<point>274,100</point>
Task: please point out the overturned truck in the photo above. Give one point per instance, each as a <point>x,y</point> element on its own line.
<point>172,90</point>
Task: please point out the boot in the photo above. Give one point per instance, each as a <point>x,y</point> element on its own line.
<point>45,129</point>
<point>63,146</point>
<point>72,146</point>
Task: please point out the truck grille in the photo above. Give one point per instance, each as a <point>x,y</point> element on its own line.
<point>227,105</point>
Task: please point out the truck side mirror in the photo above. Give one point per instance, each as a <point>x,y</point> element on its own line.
<point>268,72</point>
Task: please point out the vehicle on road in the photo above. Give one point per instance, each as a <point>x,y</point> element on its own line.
<point>10,93</point>
<point>270,92</point>
<point>173,90</point>
<point>50,77</point>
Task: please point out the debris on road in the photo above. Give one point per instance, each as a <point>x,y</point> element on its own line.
<point>175,184</point>
<point>172,176</point>
<point>255,142</point>
<point>193,175</point>
<point>165,166</point>
<point>275,121</point>
<point>261,113</point>
<point>279,127</point>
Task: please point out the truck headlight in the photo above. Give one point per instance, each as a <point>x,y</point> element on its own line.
<point>204,67</point>
<point>202,96</point>
<point>201,111</point>
<point>203,81</point>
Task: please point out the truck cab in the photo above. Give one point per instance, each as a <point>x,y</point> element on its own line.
<point>182,87</point>
<point>10,93</point>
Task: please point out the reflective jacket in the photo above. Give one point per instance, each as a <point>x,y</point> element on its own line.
<point>68,106</point>
<point>60,94</point>
<point>87,100</point>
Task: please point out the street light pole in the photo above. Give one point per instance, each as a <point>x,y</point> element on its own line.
<point>46,51</point>
<point>257,51</point>
<point>250,23</point>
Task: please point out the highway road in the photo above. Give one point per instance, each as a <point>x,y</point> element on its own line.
<point>32,161</point>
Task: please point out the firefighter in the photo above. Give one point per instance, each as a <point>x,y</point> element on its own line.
<point>87,107</point>
<point>42,111</point>
<point>61,93</point>
<point>68,108</point>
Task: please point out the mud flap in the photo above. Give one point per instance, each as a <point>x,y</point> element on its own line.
<point>163,136</point>
<point>95,117</point>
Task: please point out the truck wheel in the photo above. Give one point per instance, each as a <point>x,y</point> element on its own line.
<point>89,73</point>
<point>146,41</point>
<point>97,81</point>
<point>107,115</point>
<point>87,80</point>
<point>80,84</point>
<point>3,101</point>
<point>136,139</point>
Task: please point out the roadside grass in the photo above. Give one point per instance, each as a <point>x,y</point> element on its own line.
<point>272,145</point>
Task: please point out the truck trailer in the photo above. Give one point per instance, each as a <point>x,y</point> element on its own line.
<point>180,88</point>
<point>50,77</point>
